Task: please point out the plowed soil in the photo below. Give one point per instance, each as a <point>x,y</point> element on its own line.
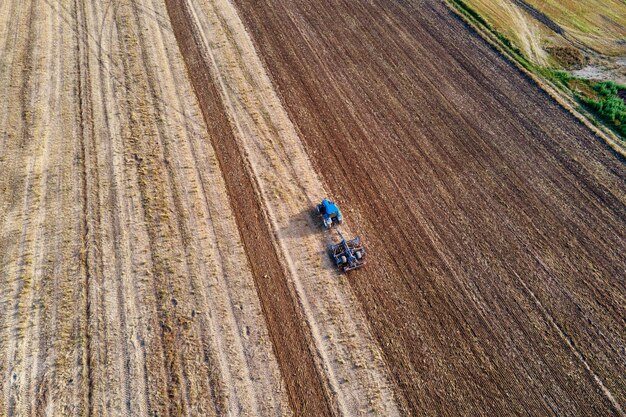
<point>158,256</point>
<point>495,221</point>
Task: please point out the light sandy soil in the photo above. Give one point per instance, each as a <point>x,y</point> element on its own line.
<point>123,276</point>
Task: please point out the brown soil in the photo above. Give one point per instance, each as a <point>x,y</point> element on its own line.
<point>568,57</point>
<point>495,221</point>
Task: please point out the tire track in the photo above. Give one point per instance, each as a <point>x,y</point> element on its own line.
<point>89,234</point>
<point>537,14</point>
<point>35,151</point>
<point>40,133</point>
<point>128,370</point>
<point>37,386</point>
<point>108,324</point>
<point>20,276</point>
<point>10,37</point>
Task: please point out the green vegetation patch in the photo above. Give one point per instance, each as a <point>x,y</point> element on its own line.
<point>559,77</point>
<point>608,105</point>
<point>603,99</point>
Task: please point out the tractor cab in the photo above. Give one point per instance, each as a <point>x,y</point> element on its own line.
<point>330,213</point>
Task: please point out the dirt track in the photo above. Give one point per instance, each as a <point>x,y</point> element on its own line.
<point>303,383</point>
<point>158,255</point>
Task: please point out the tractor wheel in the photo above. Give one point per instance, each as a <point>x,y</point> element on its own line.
<point>358,255</point>
<point>344,260</point>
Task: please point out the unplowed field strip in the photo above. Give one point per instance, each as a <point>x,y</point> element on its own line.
<point>495,221</point>
<point>124,281</point>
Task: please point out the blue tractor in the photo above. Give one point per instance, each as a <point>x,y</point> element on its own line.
<point>348,254</point>
<point>330,213</point>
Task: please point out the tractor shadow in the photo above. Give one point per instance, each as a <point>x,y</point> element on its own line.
<point>304,224</point>
<point>308,224</point>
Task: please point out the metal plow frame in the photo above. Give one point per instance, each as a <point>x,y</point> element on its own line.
<point>347,249</point>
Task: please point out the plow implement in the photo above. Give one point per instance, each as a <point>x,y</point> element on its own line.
<point>348,254</point>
